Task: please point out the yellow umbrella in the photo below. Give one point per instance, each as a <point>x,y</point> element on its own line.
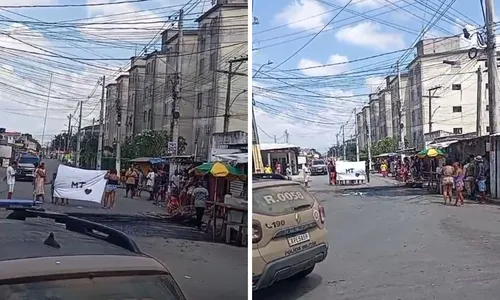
<point>431,152</point>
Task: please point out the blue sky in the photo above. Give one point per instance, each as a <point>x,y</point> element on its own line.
<point>366,28</point>
<point>26,39</point>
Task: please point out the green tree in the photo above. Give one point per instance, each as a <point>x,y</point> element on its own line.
<point>385,145</point>
<point>150,144</point>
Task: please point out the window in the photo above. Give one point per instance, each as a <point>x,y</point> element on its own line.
<point>197,132</point>
<point>456,87</point>
<point>457,130</point>
<point>121,287</point>
<point>487,128</point>
<point>486,86</point>
<point>146,91</point>
<point>202,65</point>
<point>457,109</point>
<point>165,109</point>
<point>199,101</point>
<point>212,61</point>
<point>203,45</point>
<point>487,107</point>
<point>145,116</point>
<point>150,116</point>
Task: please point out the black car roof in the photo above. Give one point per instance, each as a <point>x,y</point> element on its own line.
<point>27,239</point>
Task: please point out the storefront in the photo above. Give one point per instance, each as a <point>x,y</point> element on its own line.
<point>283,154</point>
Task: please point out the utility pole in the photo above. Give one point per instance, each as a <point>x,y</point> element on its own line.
<point>400,116</point>
<point>274,139</point>
<point>369,129</point>
<point>174,135</point>
<point>494,114</point>
<point>118,105</point>
<point>68,136</point>
<point>343,142</point>
<point>101,126</point>
<point>430,97</point>
<point>479,108</point>
<point>46,109</point>
<point>78,136</point>
<point>230,74</point>
<point>337,151</point>
<point>286,136</point>
<point>356,133</point>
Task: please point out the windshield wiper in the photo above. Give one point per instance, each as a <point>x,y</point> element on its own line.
<point>301,206</point>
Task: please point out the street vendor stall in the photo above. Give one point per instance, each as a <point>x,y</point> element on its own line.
<point>218,174</point>
<point>432,157</point>
<point>145,164</point>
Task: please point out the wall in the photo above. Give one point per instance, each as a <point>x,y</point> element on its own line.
<point>122,100</point>
<point>374,118</point>
<point>135,121</point>
<point>110,115</point>
<point>385,114</point>
<point>227,40</point>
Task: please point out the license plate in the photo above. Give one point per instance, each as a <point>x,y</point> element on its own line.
<point>298,239</point>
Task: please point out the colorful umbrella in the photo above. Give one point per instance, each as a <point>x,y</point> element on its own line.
<point>218,169</point>
<point>431,152</point>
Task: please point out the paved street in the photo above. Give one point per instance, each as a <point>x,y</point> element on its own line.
<point>203,269</point>
<point>388,242</point>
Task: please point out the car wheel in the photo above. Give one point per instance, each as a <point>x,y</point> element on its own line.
<point>303,274</point>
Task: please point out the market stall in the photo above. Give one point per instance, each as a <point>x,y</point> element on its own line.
<point>219,174</point>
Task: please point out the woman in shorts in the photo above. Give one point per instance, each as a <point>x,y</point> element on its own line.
<point>448,181</point>
<point>111,186</point>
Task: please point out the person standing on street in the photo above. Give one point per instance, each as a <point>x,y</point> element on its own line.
<point>306,172</point>
<point>332,171</point>
<point>200,195</point>
<point>367,171</point>
<point>481,178</point>
<point>40,182</point>
<point>288,172</point>
<point>150,183</point>
<point>448,181</point>
<point>10,178</point>
<point>130,177</point>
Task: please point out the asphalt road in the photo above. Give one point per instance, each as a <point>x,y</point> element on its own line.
<point>204,270</point>
<point>388,242</point>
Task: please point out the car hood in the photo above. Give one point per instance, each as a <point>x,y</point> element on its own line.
<point>26,165</point>
<point>318,166</point>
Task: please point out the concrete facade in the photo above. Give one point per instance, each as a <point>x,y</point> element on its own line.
<point>223,36</point>
<point>121,104</point>
<point>385,112</point>
<point>136,120</point>
<point>110,115</point>
<point>455,109</point>
<point>189,77</point>
<point>399,107</point>
<point>374,117</point>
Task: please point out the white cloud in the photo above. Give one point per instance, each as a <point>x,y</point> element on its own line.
<point>369,4</point>
<point>369,34</point>
<point>308,66</point>
<point>27,2</point>
<point>119,22</point>
<point>374,82</point>
<point>24,84</point>
<point>308,120</point>
<point>304,15</point>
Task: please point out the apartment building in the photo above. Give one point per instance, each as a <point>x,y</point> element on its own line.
<point>152,106</point>
<point>385,111</point>
<point>374,117</point>
<point>121,104</point>
<point>361,130</point>
<point>189,76</point>
<point>134,121</point>
<point>223,37</point>
<point>443,71</point>
<point>110,115</point>
<point>399,106</point>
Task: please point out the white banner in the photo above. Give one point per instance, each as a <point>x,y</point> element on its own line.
<point>79,184</point>
<point>350,170</point>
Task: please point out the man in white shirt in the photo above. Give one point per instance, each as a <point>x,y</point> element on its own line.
<point>10,177</point>
<point>150,183</point>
